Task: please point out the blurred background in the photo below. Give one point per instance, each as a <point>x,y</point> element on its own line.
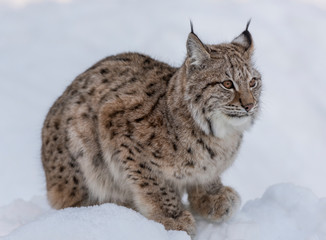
<point>44,45</point>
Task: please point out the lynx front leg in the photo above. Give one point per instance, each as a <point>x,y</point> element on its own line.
<point>215,201</point>
<point>160,202</point>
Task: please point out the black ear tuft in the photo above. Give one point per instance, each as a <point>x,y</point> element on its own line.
<point>247,33</point>
<point>248,23</point>
<point>191,27</point>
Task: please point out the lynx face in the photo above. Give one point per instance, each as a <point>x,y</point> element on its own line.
<point>223,88</point>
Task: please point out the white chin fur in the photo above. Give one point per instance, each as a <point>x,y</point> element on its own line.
<point>223,125</point>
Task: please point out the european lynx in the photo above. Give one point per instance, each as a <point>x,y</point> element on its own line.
<point>137,132</point>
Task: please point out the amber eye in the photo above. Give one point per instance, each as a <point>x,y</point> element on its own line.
<point>228,84</point>
<point>253,83</point>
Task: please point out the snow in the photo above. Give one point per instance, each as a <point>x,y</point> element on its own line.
<point>44,44</point>
<point>284,212</point>
<point>98,222</point>
<point>20,212</point>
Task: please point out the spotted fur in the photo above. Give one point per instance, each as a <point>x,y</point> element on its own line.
<point>137,132</point>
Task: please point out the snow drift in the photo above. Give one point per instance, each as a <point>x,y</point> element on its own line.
<point>284,212</point>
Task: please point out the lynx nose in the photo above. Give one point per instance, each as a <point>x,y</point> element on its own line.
<point>248,106</point>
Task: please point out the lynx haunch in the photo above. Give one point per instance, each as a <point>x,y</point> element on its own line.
<point>139,133</point>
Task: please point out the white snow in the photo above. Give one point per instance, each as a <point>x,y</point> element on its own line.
<point>20,212</point>
<point>284,212</point>
<point>44,44</point>
<point>107,221</point>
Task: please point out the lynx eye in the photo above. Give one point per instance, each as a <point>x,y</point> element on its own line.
<point>228,84</point>
<point>253,83</point>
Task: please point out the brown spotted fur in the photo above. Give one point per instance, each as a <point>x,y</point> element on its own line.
<point>137,132</point>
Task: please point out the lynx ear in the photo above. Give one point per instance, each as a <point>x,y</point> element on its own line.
<point>197,51</point>
<point>245,41</point>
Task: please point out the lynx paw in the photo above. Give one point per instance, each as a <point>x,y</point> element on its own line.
<point>184,222</point>
<point>216,207</point>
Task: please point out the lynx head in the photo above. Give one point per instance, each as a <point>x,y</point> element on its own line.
<point>222,85</point>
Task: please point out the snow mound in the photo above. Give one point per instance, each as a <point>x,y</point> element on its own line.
<point>107,221</point>
<point>20,212</point>
<point>284,212</point>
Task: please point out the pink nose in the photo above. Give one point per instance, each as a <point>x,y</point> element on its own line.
<point>248,106</point>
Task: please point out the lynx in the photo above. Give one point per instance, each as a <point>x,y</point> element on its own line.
<point>137,132</point>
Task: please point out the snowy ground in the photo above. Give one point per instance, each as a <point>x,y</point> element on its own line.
<point>284,212</point>
<point>45,44</point>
